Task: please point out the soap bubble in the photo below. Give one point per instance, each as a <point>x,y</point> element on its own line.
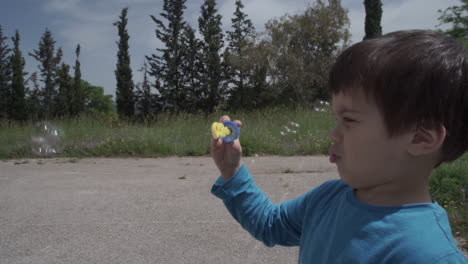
<point>321,106</point>
<point>290,129</point>
<point>290,139</point>
<point>46,139</point>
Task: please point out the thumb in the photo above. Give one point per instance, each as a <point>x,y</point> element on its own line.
<point>218,142</point>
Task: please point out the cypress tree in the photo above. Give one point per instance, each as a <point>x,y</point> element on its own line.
<point>373,17</point>
<point>48,66</point>
<point>166,67</point>
<point>210,28</point>
<point>18,103</point>
<point>76,96</point>
<point>56,107</point>
<point>239,39</point>
<point>143,94</point>
<point>64,98</point>
<point>123,73</point>
<point>5,75</point>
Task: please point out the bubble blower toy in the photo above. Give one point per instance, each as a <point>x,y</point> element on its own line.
<point>228,131</point>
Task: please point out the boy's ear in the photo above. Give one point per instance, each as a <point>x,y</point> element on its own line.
<point>425,141</point>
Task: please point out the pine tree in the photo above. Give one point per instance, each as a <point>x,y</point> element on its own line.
<point>76,97</point>
<point>373,17</point>
<point>191,69</point>
<point>5,75</point>
<point>18,102</point>
<point>167,66</point>
<point>48,66</point>
<point>239,75</point>
<point>258,94</point>
<point>209,25</point>
<point>34,98</point>
<point>123,73</point>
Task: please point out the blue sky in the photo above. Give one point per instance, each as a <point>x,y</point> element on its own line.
<point>89,23</point>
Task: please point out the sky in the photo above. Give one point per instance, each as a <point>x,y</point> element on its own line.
<point>90,24</point>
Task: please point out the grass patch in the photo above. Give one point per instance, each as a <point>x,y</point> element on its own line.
<point>182,135</point>
<point>449,186</point>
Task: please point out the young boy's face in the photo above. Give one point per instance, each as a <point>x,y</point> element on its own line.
<point>362,150</point>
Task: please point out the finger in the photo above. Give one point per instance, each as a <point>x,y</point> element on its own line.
<point>216,143</point>
<point>236,146</point>
<point>238,123</point>
<point>224,118</point>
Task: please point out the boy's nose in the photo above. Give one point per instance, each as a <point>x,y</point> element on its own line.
<point>335,135</point>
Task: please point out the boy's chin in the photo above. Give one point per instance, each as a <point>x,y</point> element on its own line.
<point>345,180</point>
<point>348,180</point>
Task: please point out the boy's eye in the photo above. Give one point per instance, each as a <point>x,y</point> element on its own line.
<point>347,119</point>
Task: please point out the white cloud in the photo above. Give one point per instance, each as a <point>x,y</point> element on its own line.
<point>91,25</point>
<point>261,11</point>
<point>415,14</point>
<point>60,5</point>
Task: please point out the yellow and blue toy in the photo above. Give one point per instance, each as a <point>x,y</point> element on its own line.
<point>228,131</point>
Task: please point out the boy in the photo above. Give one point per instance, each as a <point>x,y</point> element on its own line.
<point>401,108</point>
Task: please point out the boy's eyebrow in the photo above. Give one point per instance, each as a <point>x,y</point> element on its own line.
<point>348,110</point>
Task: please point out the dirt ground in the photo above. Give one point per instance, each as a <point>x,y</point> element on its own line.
<point>138,210</point>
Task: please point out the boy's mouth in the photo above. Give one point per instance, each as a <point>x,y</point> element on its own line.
<point>334,158</point>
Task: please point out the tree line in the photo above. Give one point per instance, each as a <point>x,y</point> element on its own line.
<point>51,92</point>
<point>288,64</point>
<point>197,70</point>
<point>205,69</point>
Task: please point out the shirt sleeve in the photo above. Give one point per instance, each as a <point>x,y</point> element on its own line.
<point>270,223</point>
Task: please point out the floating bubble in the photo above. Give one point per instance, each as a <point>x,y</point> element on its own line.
<point>46,139</point>
<point>321,106</point>
<point>319,109</point>
<point>289,129</point>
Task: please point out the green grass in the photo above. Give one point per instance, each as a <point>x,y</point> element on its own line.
<point>185,135</point>
<point>189,135</point>
<point>449,186</point>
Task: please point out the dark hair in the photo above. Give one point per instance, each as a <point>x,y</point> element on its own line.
<point>416,77</point>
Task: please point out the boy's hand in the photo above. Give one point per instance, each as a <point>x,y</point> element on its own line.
<point>227,156</point>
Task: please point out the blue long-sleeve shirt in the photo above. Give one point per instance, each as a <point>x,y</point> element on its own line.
<point>331,226</point>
